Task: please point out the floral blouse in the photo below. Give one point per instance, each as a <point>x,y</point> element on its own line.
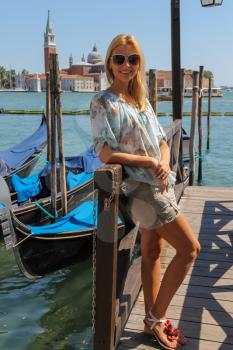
<point>125,129</point>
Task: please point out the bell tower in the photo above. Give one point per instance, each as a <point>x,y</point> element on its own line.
<point>49,43</point>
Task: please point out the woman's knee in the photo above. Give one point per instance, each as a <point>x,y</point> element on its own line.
<point>191,252</point>
<point>151,249</point>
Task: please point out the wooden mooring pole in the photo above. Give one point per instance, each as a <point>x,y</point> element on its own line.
<point>117,278</point>
<point>48,116</point>
<point>62,169</point>
<point>208,115</point>
<point>192,128</point>
<point>107,181</point>
<point>200,125</point>
<point>153,89</point>
<point>53,172</point>
<point>176,66</point>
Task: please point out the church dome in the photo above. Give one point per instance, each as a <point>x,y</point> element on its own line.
<point>94,56</point>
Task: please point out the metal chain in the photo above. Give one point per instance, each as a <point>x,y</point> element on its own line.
<point>108,201</point>
<point>107,204</point>
<point>94,238</point>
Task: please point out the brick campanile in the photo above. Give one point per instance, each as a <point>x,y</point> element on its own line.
<point>49,43</point>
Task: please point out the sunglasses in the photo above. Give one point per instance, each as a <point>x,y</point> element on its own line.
<point>120,59</point>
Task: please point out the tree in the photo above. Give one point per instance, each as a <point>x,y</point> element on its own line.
<point>3,77</point>
<point>208,74</point>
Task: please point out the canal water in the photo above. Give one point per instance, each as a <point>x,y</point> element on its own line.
<point>54,313</point>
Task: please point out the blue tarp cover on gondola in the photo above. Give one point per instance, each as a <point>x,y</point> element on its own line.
<point>78,220</point>
<point>75,180</point>
<point>17,155</point>
<point>87,161</point>
<point>30,187</point>
<point>27,187</point>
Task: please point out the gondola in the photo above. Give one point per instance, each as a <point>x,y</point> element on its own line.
<point>43,249</point>
<point>21,158</point>
<point>36,209</point>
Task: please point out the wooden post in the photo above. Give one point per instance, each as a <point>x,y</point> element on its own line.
<point>62,169</point>
<point>153,89</point>
<point>208,115</point>
<point>192,129</point>
<point>107,181</point>
<point>182,87</point>
<point>175,46</point>
<point>48,116</point>
<point>53,174</point>
<point>200,125</point>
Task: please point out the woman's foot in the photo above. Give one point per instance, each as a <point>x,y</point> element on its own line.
<point>175,333</point>
<point>161,332</point>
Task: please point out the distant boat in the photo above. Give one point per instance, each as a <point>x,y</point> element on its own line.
<point>165,91</point>
<point>215,92</point>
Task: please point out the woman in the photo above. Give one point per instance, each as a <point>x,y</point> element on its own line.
<point>126,131</point>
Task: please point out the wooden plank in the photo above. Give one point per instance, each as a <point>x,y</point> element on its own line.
<point>205,263</point>
<point>209,247</point>
<point>189,314</point>
<point>208,189</point>
<point>138,341</point>
<point>223,253</point>
<point>195,330</point>
<point>203,305</point>
<point>128,297</point>
<point>200,303</point>
<point>208,211</point>
<point>207,271</point>
<point>208,254</point>
<point>196,201</point>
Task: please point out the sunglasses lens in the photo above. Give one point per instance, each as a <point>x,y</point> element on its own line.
<point>133,59</point>
<point>118,59</point>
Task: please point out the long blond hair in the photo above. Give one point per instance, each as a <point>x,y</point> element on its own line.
<point>137,86</point>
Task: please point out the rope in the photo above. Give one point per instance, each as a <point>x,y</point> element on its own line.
<point>22,240</point>
<point>45,211</point>
<point>43,158</point>
<point>20,169</point>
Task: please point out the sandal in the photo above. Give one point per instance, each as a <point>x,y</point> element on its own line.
<point>168,331</point>
<point>175,333</point>
<point>171,332</point>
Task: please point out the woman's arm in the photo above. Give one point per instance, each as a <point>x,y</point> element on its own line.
<point>165,151</point>
<point>107,155</point>
<point>163,168</point>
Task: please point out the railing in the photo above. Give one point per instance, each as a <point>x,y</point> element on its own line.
<point>118,278</point>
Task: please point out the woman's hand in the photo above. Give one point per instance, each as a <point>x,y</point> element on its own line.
<point>163,185</point>
<point>162,170</point>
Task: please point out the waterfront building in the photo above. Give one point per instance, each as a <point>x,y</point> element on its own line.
<point>33,83</point>
<point>84,76</point>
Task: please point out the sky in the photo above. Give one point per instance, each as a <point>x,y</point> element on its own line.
<point>206,33</point>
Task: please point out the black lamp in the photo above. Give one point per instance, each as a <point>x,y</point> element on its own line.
<point>206,3</point>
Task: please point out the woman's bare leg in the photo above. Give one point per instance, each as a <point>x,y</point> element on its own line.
<point>179,235</point>
<point>151,247</point>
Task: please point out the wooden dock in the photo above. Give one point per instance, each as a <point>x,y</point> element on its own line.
<point>203,305</point>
